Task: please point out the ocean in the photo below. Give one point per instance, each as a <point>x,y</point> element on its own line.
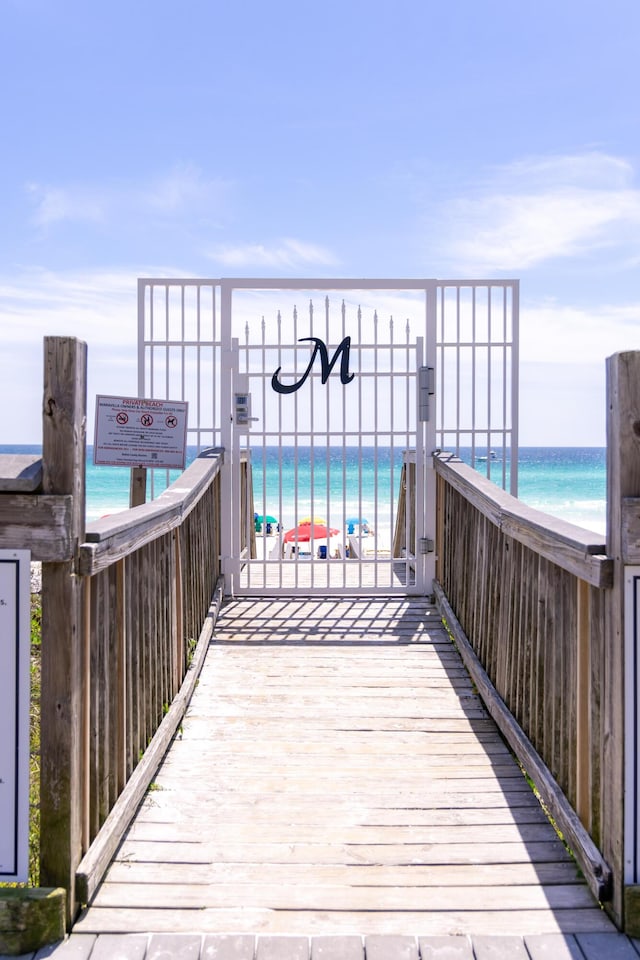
<point>567,482</point>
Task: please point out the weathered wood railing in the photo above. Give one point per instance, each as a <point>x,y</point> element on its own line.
<point>537,607</point>
<point>149,576</point>
<point>547,618</point>
<point>528,591</point>
<point>128,606</point>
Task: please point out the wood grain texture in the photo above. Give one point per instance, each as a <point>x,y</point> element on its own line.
<point>61,704</point>
<point>574,549</point>
<point>40,523</point>
<point>537,621</point>
<point>322,785</point>
<point>623,481</point>
<point>94,863</point>
<point>596,869</point>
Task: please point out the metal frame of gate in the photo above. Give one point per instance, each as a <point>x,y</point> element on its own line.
<point>218,345</point>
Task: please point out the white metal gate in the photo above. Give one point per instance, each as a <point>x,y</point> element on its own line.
<point>325,387</point>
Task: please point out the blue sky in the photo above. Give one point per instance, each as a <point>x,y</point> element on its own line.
<point>465,139</point>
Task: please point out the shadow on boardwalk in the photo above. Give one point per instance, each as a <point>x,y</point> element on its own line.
<point>337,774</point>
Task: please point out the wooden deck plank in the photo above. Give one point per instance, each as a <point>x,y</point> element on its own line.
<point>436,875</point>
<point>311,923</point>
<point>168,807</point>
<point>318,833</point>
<point>159,851</point>
<point>343,897</point>
<point>386,743</point>
<point>353,787</point>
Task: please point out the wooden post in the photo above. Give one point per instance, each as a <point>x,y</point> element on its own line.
<point>623,481</point>
<point>61,776</point>
<point>138,486</point>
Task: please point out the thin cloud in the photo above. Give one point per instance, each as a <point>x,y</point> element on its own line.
<point>561,333</point>
<point>97,307</point>
<point>183,191</point>
<point>287,253</point>
<point>57,204</point>
<point>542,209</point>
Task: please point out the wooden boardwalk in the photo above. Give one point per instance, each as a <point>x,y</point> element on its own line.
<point>336,773</point>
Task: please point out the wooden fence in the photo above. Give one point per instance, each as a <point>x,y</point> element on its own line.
<point>149,576</point>
<point>534,604</point>
<point>128,606</point>
<point>530,600</point>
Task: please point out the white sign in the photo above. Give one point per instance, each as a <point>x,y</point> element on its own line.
<point>632,725</point>
<point>15,596</point>
<point>132,432</point>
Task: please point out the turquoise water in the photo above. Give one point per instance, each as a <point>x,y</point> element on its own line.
<point>568,482</point>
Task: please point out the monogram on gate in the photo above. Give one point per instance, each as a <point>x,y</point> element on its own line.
<point>326,365</point>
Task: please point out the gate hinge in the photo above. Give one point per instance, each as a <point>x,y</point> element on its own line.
<point>426,388</point>
<point>426,545</point>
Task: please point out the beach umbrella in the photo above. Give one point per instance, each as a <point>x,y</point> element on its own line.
<point>310,531</point>
<point>355,520</point>
<point>319,520</point>
<point>265,518</point>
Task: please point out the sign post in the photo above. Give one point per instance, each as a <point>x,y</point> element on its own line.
<point>15,596</point>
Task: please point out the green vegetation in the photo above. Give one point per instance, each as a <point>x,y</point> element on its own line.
<point>192,643</point>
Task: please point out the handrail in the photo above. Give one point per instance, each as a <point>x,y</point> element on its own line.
<point>96,859</point>
<point>524,595</point>
<point>112,538</point>
<point>574,549</point>
<point>123,604</point>
<point>148,577</point>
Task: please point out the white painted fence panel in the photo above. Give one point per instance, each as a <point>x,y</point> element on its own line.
<point>335,430</point>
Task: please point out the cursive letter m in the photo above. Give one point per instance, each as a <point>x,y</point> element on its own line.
<point>325,364</point>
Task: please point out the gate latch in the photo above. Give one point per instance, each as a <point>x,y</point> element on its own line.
<point>426,388</point>
<point>242,410</point>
